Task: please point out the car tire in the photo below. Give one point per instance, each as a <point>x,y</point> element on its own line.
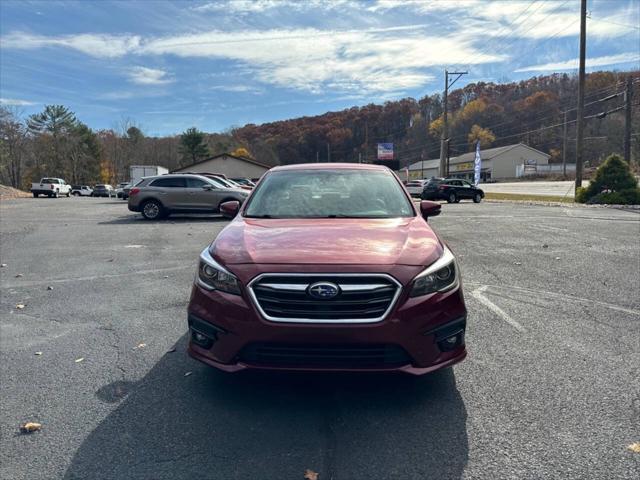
<point>477,198</point>
<point>152,210</point>
<point>76,194</point>
<point>35,195</point>
<point>68,194</point>
<point>55,194</point>
<point>452,198</point>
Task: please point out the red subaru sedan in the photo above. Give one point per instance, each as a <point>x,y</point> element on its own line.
<point>328,267</point>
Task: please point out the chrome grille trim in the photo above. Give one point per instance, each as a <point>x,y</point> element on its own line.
<point>368,287</point>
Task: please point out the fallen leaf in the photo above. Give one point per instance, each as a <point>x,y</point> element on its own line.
<point>141,345</point>
<point>18,275</point>
<point>78,360</point>
<point>30,427</point>
<point>38,353</point>
<point>557,258</point>
<point>634,447</point>
<point>2,265</point>
<point>545,246</point>
<point>49,287</point>
<point>187,374</point>
<point>310,475</point>
<point>517,263</point>
<point>172,350</point>
<point>20,306</point>
<point>111,260</point>
<point>166,276</point>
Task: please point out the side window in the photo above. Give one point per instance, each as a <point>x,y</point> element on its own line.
<point>465,184</point>
<point>175,182</point>
<point>196,183</point>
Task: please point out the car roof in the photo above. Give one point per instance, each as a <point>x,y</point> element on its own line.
<point>331,166</point>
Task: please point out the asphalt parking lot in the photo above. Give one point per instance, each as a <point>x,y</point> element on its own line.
<point>551,387</point>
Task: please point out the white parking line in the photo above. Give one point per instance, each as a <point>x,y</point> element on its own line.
<point>478,293</point>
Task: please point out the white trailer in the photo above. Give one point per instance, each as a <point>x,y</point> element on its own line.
<point>137,172</point>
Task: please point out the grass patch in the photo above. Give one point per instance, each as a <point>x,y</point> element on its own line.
<point>526,197</point>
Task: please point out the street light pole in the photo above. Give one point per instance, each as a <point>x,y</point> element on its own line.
<point>581,78</point>
<point>445,118</point>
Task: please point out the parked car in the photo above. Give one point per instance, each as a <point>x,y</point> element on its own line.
<point>415,187</point>
<point>244,182</point>
<point>353,280</point>
<point>103,190</point>
<point>221,178</point>
<point>120,190</point>
<point>159,196</point>
<point>452,190</point>
<point>51,187</point>
<point>81,190</point>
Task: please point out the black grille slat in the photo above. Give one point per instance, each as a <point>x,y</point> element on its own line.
<point>338,356</point>
<point>279,302</point>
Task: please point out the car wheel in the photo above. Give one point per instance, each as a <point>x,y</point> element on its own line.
<point>68,194</point>
<point>76,194</point>
<point>452,198</point>
<point>476,198</point>
<point>35,195</point>
<point>55,194</point>
<point>152,210</point>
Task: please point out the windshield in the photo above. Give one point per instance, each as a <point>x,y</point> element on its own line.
<point>328,194</point>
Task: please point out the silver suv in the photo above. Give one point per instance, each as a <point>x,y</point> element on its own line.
<point>158,197</point>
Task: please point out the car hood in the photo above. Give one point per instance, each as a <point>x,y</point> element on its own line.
<point>404,241</point>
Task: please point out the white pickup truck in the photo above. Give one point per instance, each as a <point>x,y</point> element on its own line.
<point>51,187</point>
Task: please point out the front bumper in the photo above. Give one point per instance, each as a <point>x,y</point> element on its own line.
<point>416,326</point>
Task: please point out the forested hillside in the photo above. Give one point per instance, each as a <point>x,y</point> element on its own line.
<point>55,142</point>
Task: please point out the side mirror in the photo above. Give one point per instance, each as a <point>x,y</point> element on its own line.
<point>230,209</point>
<point>429,209</point>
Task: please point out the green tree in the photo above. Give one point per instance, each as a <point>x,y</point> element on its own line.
<point>613,176</point>
<point>192,146</point>
<point>52,130</point>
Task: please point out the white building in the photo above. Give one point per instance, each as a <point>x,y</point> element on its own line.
<point>229,165</point>
<point>498,163</point>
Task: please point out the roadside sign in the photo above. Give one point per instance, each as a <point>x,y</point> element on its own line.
<point>385,151</point>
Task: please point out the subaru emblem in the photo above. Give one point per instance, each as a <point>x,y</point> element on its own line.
<point>323,290</point>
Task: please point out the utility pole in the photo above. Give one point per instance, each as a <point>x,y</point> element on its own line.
<point>445,117</point>
<point>581,76</point>
<point>448,140</point>
<point>564,147</point>
<point>627,121</point>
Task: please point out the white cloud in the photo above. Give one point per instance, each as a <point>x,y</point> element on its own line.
<point>148,76</point>
<point>238,89</point>
<point>309,59</point>
<point>16,102</point>
<point>631,57</point>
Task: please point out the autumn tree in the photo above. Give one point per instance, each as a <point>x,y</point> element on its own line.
<point>485,136</point>
<point>241,152</point>
<point>13,140</point>
<point>192,146</point>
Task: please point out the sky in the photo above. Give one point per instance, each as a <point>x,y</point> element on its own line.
<point>215,65</point>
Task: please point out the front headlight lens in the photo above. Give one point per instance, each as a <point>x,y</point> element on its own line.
<point>213,276</point>
<point>439,277</point>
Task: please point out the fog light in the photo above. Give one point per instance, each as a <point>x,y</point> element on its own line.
<point>201,340</point>
<point>449,343</point>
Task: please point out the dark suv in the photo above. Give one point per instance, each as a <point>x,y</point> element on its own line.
<point>328,267</point>
<point>452,190</point>
<point>160,196</point>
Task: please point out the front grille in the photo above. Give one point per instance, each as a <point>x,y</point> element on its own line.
<point>360,299</point>
<point>326,356</point>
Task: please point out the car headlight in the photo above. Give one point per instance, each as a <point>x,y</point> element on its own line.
<point>441,276</point>
<point>213,276</point>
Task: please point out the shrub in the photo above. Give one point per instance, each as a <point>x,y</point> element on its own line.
<point>613,184</point>
<point>581,195</point>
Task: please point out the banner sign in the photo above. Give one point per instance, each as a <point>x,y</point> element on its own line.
<point>385,151</point>
<point>477,165</point>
